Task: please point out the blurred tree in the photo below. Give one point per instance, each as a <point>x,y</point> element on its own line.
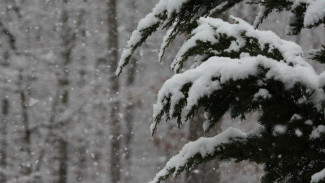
<point>112,57</point>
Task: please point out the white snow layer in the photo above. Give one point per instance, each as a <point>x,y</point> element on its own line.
<point>316,133</point>
<point>209,30</point>
<point>203,146</point>
<point>318,176</point>
<point>169,6</point>
<point>291,70</point>
<point>280,129</point>
<point>315,12</point>
<point>262,93</point>
<point>234,69</point>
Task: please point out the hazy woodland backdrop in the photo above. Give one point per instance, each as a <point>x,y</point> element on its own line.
<point>65,116</point>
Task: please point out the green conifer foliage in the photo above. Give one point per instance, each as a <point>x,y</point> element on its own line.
<point>238,69</point>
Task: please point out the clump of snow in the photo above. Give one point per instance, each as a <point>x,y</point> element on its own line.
<point>206,115</point>
<point>206,125</point>
<point>318,176</point>
<point>173,6</point>
<point>295,117</point>
<point>316,133</point>
<point>280,129</point>
<point>298,132</point>
<point>262,93</point>
<point>309,122</point>
<point>315,12</point>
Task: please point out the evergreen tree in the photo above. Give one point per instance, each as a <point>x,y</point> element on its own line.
<point>238,69</point>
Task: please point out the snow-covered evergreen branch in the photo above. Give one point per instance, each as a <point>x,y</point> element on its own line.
<point>222,80</point>
<point>214,37</point>
<point>197,152</point>
<point>181,15</point>
<point>239,69</point>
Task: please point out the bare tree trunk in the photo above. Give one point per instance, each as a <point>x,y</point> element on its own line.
<point>26,139</point>
<point>63,160</point>
<point>129,118</point>
<point>81,164</point>
<point>112,43</point>
<point>3,142</point>
<point>130,106</point>
<point>63,87</point>
<point>81,172</point>
<point>61,100</point>
<point>62,143</point>
<point>47,139</point>
<point>25,165</point>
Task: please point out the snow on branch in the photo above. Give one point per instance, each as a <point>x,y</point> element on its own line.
<point>318,177</point>
<point>306,14</point>
<point>197,152</point>
<point>268,6</point>
<point>214,37</point>
<point>181,14</point>
<point>318,55</point>
<point>315,13</point>
<point>225,77</point>
<point>317,132</point>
